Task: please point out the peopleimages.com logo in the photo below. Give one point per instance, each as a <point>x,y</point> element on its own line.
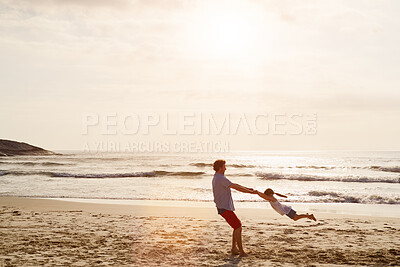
<point>158,147</point>
<point>199,123</point>
<point>186,132</point>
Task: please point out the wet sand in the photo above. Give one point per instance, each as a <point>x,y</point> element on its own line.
<point>50,232</point>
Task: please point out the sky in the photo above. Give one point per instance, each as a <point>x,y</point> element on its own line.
<point>79,73</point>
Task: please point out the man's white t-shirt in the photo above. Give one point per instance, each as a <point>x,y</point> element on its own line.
<point>222,192</point>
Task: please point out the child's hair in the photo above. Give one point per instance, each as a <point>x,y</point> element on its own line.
<point>270,192</point>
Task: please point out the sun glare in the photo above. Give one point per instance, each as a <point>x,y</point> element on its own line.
<point>228,32</point>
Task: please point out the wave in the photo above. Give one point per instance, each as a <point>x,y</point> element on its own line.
<point>102,175</point>
<point>316,167</point>
<point>203,164</point>
<point>385,169</point>
<point>242,174</point>
<point>107,175</point>
<point>91,158</point>
<point>320,197</point>
<point>241,166</point>
<point>334,197</point>
<point>166,173</point>
<point>307,178</point>
<point>31,163</point>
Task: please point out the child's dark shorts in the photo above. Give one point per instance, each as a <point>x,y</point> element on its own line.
<point>291,214</point>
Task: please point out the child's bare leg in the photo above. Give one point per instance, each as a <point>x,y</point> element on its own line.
<point>301,216</point>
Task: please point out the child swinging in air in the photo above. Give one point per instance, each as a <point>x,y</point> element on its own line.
<point>283,209</point>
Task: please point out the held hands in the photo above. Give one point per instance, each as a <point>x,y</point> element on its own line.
<point>252,191</point>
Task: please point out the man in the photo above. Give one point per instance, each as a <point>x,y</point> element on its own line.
<point>223,200</point>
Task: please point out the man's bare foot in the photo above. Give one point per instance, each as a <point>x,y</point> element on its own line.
<point>235,252</point>
<point>312,217</point>
<point>243,254</point>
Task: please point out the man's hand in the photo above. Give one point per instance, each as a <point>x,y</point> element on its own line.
<point>252,191</point>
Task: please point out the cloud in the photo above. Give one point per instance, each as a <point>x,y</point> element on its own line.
<point>81,3</point>
<point>125,33</point>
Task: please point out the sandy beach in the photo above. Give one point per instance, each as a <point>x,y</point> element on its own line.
<point>52,232</point>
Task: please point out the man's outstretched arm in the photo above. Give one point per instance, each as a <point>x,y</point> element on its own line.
<point>243,189</point>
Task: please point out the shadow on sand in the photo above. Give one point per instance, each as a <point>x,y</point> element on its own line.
<point>232,261</point>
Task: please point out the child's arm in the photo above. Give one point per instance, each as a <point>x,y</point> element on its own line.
<point>266,197</point>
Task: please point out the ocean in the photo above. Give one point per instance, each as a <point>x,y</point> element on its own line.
<point>306,177</point>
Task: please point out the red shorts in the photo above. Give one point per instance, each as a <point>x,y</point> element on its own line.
<point>232,219</point>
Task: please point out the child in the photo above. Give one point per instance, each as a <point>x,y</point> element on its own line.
<point>283,209</point>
